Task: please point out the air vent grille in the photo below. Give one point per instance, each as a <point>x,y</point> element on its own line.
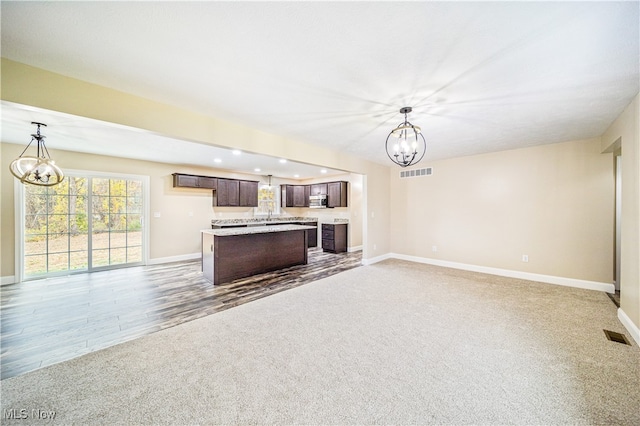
<point>416,172</point>
<point>616,337</point>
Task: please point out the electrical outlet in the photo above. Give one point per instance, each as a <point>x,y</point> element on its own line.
<point>190,214</point>
<point>375,246</point>
<point>434,248</point>
<point>525,257</point>
<point>156,214</point>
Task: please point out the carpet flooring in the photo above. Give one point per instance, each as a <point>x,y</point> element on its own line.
<point>390,343</point>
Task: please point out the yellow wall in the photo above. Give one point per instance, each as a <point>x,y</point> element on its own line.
<point>626,131</point>
<point>553,203</point>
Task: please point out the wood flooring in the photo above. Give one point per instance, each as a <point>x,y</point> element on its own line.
<point>47,321</point>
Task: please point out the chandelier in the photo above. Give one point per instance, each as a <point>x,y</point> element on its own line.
<point>405,144</point>
<point>40,170</point>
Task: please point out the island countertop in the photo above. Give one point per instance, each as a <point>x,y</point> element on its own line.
<point>226,232</point>
<point>261,221</point>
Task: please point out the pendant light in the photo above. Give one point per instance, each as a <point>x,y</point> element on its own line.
<point>40,170</point>
<point>405,144</point>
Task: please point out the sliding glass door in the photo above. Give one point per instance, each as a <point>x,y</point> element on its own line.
<point>84,224</point>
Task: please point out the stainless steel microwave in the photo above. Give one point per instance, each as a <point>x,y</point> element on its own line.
<point>318,201</point>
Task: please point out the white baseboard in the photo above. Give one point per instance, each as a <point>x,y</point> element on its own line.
<point>376,259</point>
<point>169,259</point>
<point>354,248</point>
<point>9,279</point>
<point>549,279</point>
<point>629,325</point>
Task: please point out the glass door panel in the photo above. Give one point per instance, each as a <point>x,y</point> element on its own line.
<point>82,224</point>
<point>117,232</point>
<point>52,229</point>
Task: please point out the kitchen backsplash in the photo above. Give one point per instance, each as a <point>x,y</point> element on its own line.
<point>323,215</point>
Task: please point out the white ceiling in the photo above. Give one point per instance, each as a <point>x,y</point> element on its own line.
<point>480,77</point>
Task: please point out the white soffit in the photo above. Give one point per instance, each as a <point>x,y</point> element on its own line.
<point>480,77</point>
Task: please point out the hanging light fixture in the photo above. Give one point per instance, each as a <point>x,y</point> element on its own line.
<point>40,170</point>
<point>405,144</point>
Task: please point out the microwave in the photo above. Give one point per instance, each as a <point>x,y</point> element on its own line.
<point>318,201</point>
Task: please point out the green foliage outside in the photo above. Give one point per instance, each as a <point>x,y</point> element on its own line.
<point>62,209</point>
<point>57,224</point>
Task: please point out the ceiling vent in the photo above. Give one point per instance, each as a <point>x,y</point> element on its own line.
<point>416,173</point>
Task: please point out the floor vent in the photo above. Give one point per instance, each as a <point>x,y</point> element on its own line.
<point>616,337</point>
<point>417,172</point>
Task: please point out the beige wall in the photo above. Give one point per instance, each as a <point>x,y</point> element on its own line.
<point>553,203</point>
<point>626,131</point>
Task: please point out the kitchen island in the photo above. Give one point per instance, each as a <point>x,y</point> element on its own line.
<point>232,253</point>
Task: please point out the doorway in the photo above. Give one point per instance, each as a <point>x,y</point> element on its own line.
<point>618,221</point>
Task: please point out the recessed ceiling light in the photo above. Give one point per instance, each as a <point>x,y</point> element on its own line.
<point>257,169</point>
<point>236,152</point>
<point>217,160</point>
<point>282,160</point>
<point>323,171</point>
<point>296,175</point>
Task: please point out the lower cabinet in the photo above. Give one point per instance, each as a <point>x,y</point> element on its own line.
<point>312,234</point>
<point>334,237</point>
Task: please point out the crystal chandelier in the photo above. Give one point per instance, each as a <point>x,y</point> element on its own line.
<point>40,170</point>
<point>405,144</point>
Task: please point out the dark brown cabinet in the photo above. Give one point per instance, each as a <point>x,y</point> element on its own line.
<point>248,193</point>
<point>312,234</point>
<point>337,194</point>
<point>228,193</point>
<point>181,180</point>
<point>334,237</point>
<point>236,193</point>
<point>295,196</point>
<point>319,189</point>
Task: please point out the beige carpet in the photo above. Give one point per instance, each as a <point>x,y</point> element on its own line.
<point>391,343</point>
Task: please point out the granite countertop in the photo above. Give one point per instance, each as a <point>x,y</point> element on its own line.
<point>261,221</point>
<point>255,230</point>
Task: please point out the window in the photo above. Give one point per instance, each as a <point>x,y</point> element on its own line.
<point>87,222</point>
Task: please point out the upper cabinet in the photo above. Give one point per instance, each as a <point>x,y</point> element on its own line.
<point>248,193</point>
<point>236,193</point>
<point>319,189</point>
<point>295,195</point>
<point>337,194</point>
<point>193,181</point>
<point>227,192</point>
<point>298,195</point>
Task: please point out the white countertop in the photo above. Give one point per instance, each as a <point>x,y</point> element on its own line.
<point>255,230</point>
<point>262,220</point>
